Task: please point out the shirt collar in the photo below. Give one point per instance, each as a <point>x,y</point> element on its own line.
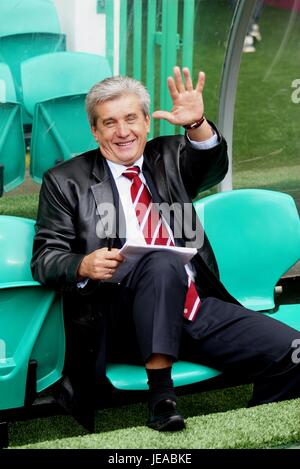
<point>117,169</point>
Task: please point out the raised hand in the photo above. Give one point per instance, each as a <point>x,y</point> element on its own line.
<point>188,104</point>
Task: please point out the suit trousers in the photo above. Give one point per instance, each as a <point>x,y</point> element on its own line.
<point>147,318</point>
<point>147,312</point>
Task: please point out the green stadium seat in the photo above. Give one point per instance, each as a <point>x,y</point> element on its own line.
<point>60,127</point>
<point>7,87</point>
<point>255,235</point>
<point>31,321</point>
<point>12,145</point>
<point>134,378</point>
<point>27,28</point>
<point>21,17</point>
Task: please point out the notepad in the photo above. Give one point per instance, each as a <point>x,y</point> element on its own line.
<point>132,253</point>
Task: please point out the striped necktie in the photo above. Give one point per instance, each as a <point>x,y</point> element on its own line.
<point>156,232</point>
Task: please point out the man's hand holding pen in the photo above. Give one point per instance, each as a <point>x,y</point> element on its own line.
<point>100,264</point>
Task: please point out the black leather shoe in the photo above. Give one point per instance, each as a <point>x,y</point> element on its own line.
<point>82,412</point>
<point>165,417</point>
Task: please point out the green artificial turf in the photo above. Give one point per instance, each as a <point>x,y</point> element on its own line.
<point>19,205</point>
<point>123,417</point>
<point>209,425</point>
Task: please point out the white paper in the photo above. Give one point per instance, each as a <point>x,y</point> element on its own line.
<point>132,253</point>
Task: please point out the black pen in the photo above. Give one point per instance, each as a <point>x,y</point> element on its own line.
<point>109,243</point>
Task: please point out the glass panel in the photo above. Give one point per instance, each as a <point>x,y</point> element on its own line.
<point>212,23</point>
<point>266,146</point>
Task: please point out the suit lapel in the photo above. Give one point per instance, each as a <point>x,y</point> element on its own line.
<point>155,174</point>
<point>108,206</point>
<point>154,192</point>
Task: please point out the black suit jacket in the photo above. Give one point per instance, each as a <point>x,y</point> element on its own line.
<point>71,220</point>
<point>74,195</point>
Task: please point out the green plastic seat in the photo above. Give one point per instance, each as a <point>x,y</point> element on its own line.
<point>31,321</point>
<point>134,378</point>
<point>7,87</point>
<point>20,17</point>
<point>12,145</point>
<point>255,235</point>
<point>28,28</point>
<point>17,48</point>
<point>288,314</point>
<point>60,127</point>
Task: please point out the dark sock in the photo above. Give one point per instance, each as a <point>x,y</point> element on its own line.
<point>160,385</point>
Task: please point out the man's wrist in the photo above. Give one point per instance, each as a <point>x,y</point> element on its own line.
<point>194,125</point>
<point>201,133</point>
<point>204,144</point>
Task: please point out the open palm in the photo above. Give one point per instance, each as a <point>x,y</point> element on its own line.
<point>188,104</point>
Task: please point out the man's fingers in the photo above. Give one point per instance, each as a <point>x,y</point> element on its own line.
<point>178,80</point>
<point>201,82</point>
<point>163,115</point>
<point>113,254</point>
<point>100,264</point>
<point>172,88</point>
<point>188,79</point>
<point>111,264</point>
<point>184,97</point>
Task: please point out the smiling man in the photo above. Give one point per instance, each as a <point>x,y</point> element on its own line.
<point>162,310</point>
<point>121,129</point>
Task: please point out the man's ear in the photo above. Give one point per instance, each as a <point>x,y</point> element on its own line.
<point>148,122</point>
<point>94,132</point>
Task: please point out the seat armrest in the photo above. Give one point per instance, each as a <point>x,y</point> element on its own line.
<point>24,283</point>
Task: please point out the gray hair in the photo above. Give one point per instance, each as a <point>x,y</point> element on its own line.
<point>112,88</point>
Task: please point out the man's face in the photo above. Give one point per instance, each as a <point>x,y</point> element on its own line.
<point>121,129</point>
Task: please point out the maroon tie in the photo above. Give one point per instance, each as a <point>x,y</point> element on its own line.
<point>155,231</point>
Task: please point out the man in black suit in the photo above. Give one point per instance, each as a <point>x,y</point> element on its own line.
<point>87,212</point>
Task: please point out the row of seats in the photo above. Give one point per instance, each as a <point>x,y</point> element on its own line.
<point>12,144</point>
<point>43,85</point>
<point>255,235</point>
<point>54,88</point>
<point>28,28</point>
<point>60,127</point>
